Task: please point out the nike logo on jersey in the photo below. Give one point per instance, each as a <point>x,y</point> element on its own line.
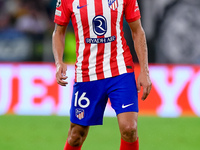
<point>79,7</point>
<point>124,106</point>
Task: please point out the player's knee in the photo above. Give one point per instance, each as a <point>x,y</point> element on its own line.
<point>77,135</point>
<point>129,132</point>
<point>75,139</point>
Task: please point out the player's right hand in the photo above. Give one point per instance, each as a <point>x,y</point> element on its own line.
<point>61,69</point>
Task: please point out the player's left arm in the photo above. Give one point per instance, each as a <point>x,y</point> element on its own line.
<point>140,45</point>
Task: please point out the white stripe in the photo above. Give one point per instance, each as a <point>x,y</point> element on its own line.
<point>81,38</point>
<point>120,57</point>
<point>93,48</point>
<point>107,50</point>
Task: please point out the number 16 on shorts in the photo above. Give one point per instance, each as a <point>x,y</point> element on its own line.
<point>83,102</point>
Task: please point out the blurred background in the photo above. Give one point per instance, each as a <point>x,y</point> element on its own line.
<point>172,28</point>
<point>28,89</point>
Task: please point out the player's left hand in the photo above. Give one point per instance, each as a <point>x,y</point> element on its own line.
<point>144,81</point>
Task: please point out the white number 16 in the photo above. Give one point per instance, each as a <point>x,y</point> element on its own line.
<point>82,98</point>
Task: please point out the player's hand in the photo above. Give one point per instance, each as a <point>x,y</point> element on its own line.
<point>61,69</point>
<point>144,81</point>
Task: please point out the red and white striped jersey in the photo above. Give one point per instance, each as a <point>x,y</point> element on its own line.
<point>101,48</point>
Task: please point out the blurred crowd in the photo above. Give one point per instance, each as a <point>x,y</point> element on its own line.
<point>24,24</point>
<point>31,16</point>
<point>172,28</point>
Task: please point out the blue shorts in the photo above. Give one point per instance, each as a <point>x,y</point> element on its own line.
<point>90,98</point>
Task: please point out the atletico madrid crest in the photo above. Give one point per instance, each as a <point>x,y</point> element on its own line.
<point>113,4</point>
<point>79,113</point>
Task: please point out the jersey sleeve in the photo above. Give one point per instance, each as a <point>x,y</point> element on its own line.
<point>63,13</point>
<point>132,11</point>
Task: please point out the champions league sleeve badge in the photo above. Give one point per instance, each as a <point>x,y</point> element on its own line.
<point>58,4</point>
<point>79,113</point>
<point>113,4</point>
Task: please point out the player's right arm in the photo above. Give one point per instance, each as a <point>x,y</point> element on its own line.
<point>58,44</point>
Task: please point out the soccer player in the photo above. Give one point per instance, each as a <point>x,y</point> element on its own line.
<point>104,66</point>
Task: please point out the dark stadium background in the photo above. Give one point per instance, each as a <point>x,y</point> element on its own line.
<point>169,119</point>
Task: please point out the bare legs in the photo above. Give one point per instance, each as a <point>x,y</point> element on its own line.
<point>77,134</point>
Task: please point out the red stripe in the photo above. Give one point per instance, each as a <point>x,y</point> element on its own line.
<point>101,46</point>
<point>113,60</point>
<point>115,5</point>
<point>86,33</point>
<point>77,39</point>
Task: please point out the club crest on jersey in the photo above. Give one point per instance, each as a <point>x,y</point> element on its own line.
<point>58,4</point>
<point>113,4</point>
<point>80,113</point>
<point>99,25</point>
